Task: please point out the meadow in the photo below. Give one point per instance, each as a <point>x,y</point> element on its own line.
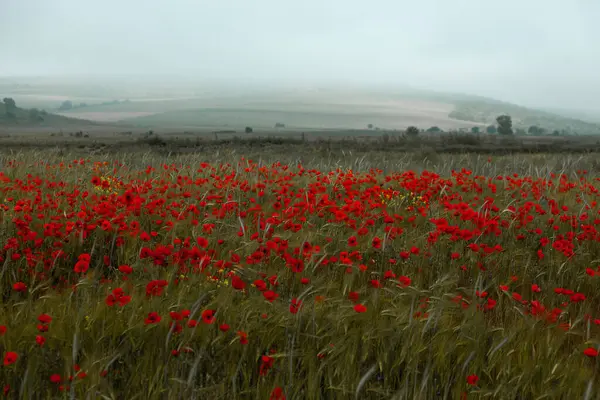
<point>256,273</point>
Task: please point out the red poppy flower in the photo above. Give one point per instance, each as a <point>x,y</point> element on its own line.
<point>360,308</point>
<point>202,242</point>
<point>295,306</point>
<point>266,364</point>
<point>591,352</point>
<point>472,380</point>
<point>237,283</point>
<point>389,274</point>
<point>260,285</point>
<point>243,337</point>
<point>277,394</point>
<point>40,340</point>
<point>153,318</point>
<point>124,300</point>
<point>208,316</point>
<point>19,287</point>
<point>223,327</point>
<point>352,242</point>
<point>126,269</point>
<point>270,296</point>
<point>192,323</point>
<point>490,304</point>
<point>81,266</point>
<point>155,288</point>
<point>10,357</point>
<point>55,378</point>
<point>376,243</point>
<point>405,280</point>
<point>110,300</point>
<point>578,297</point>
<point>44,318</point>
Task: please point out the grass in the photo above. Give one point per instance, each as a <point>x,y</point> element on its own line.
<point>323,142</point>
<point>450,308</point>
<point>267,118</point>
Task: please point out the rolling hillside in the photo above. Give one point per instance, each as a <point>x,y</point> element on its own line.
<point>22,117</point>
<point>487,111</point>
<point>309,108</point>
<point>329,109</point>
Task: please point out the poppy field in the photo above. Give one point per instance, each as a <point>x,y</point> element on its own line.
<point>144,276</point>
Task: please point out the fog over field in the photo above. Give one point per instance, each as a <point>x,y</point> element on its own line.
<point>389,59</point>
<point>536,53</point>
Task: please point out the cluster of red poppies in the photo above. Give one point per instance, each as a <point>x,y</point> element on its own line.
<point>253,229</point>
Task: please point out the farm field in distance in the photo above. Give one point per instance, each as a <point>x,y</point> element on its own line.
<point>298,109</point>
<point>297,273</point>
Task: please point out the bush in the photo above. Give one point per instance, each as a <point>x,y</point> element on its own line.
<point>153,140</point>
<point>412,131</point>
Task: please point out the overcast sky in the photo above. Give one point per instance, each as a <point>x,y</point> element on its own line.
<point>533,52</point>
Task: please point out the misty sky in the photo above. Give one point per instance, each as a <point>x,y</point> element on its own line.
<point>533,52</point>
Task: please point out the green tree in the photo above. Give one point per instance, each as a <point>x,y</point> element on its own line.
<point>370,126</point>
<point>248,129</point>
<point>533,130</point>
<point>34,115</point>
<point>491,129</point>
<point>434,129</point>
<point>66,105</point>
<point>475,129</point>
<point>412,131</point>
<point>504,125</point>
<point>9,104</point>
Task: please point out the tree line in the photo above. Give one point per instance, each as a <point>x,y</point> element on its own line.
<point>11,111</point>
<point>504,126</point>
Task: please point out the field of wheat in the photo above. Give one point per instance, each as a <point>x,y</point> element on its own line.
<point>223,276</point>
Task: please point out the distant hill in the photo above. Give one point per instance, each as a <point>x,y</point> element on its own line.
<point>23,117</point>
<point>486,110</point>
<point>352,109</point>
<point>466,107</point>
<point>584,115</point>
<point>342,107</point>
